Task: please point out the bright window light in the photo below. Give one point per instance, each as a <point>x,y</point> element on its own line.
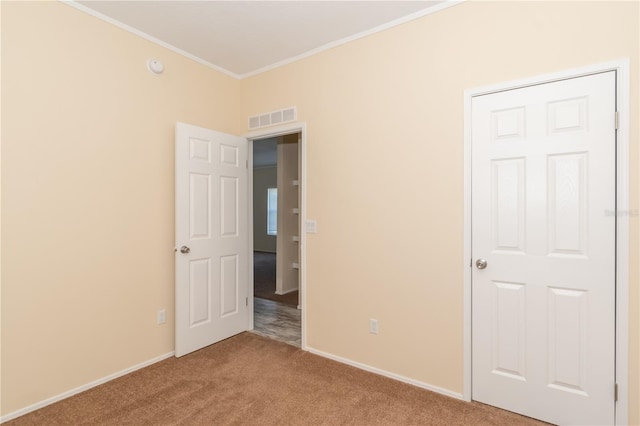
<point>272,211</point>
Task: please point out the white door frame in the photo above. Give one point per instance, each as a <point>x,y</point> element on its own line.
<point>621,67</point>
<point>268,133</point>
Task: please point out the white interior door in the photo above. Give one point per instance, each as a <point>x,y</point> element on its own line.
<point>211,237</point>
<point>543,197</point>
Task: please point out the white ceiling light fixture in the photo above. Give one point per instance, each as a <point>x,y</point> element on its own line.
<point>155,66</point>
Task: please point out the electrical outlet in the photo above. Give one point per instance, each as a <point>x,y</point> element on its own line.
<point>162,316</point>
<point>373,326</point>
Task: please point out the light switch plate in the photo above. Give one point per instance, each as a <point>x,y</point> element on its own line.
<point>161,316</point>
<point>311,226</point>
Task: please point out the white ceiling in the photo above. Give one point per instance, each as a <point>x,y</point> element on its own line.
<point>243,38</point>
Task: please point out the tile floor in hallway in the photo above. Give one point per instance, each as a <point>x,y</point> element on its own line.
<point>277,321</point>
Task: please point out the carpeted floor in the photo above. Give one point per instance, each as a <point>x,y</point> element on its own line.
<point>264,278</point>
<point>252,380</point>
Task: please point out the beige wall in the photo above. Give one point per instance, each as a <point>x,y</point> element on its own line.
<point>263,178</point>
<point>88,195</point>
<point>385,168</point>
<point>87,181</point>
<point>0,214</point>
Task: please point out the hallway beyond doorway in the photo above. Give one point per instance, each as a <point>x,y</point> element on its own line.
<point>264,278</point>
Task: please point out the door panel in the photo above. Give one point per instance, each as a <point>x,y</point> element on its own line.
<point>567,340</point>
<point>228,206</point>
<point>199,291</point>
<point>508,330</point>
<point>567,189</point>
<point>229,285</point>
<point>200,206</point>
<point>543,310</point>
<point>211,220</point>
<point>508,193</point>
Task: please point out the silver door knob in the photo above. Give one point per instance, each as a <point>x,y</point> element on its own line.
<point>184,249</point>
<point>481,263</point>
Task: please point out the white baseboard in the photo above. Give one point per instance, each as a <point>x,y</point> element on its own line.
<point>280,293</point>
<point>67,394</point>
<point>384,373</point>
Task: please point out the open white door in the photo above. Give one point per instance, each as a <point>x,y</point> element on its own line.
<point>543,243</point>
<point>211,237</point>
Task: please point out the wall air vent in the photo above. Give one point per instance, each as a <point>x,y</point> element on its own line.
<point>272,118</point>
<point>254,122</point>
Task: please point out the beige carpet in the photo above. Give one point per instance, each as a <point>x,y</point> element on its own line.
<point>252,380</point>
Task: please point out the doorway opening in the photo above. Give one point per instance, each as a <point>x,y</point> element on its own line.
<point>276,200</point>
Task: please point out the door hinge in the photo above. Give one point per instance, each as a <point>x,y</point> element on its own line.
<point>246,162</point>
<point>246,301</point>
<point>615,392</point>
<point>617,120</point>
